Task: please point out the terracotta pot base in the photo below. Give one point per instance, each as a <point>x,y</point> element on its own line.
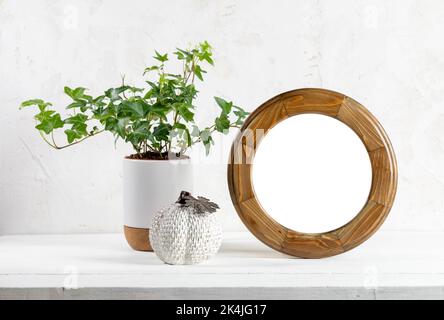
<point>138,238</point>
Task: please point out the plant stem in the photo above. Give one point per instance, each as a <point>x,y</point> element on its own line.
<point>192,68</point>
<point>55,146</point>
<point>46,140</point>
<point>176,115</point>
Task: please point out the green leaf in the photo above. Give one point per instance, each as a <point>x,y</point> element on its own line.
<point>161,57</point>
<point>120,128</point>
<point>198,72</point>
<point>209,60</point>
<point>205,135</point>
<point>205,46</point>
<point>87,98</point>
<point>179,126</point>
<point>140,133</point>
<point>224,105</point>
<point>114,93</point>
<point>207,140</point>
<point>77,104</point>
<point>162,131</point>
<point>222,124</point>
<point>111,124</point>
<point>240,112</point>
<point>188,137</point>
<point>40,103</point>
<point>44,115</point>
<point>57,121</point>
<point>31,102</point>
<point>185,113</point>
<point>180,55</point>
<point>68,91</point>
<point>72,135</point>
<point>153,85</point>
<point>78,123</point>
<point>76,93</point>
<point>159,111</point>
<point>50,123</point>
<point>241,115</point>
<point>99,100</point>
<point>148,69</point>
<point>136,109</point>
<point>136,89</point>
<point>184,55</point>
<point>184,131</point>
<point>76,119</point>
<point>195,132</point>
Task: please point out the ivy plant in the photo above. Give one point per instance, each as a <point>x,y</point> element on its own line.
<point>157,120</point>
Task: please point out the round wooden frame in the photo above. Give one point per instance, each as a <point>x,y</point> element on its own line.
<point>382,158</point>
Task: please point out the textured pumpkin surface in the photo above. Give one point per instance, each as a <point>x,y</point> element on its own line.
<point>182,235</point>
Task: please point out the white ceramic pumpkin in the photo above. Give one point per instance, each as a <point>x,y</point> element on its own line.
<point>186,232</point>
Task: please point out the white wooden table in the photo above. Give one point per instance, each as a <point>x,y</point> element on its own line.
<point>389,265</point>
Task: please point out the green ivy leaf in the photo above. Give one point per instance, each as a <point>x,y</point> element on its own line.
<point>179,126</point>
<point>184,131</point>
<point>161,57</point>
<point>159,111</point>
<point>188,137</point>
<point>198,71</point>
<point>224,105</point>
<point>139,134</point>
<point>149,69</point>
<point>31,102</point>
<point>68,91</point>
<point>78,124</point>
<point>184,55</point>
<point>222,124</point>
<point>185,113</point>
<point>114,93</point>
<point>205,135</point>
<point>162,132</point>
<point>39,102</point>
<point>77,104</point>
<point>72,135</point>
<point>207,139</point>
<point>135,89</point>
<point>44,115</point>
<point>195,132</point>
<point>50,123</point>
<point>99,101</point>
<point>208,59</point>
<point>120,127</point>
<point>76,119</point>
<point>135,108</point>
<point>76,93</point>
<point>111,124</point>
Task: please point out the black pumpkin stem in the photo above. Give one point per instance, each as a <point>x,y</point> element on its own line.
<point>183,197</point>
<point>203,205</point>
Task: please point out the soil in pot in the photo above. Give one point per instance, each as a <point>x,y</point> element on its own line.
<point>157,156</point>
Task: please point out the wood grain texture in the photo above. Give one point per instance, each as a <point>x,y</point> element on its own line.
<point>138,238</point>
<point>382,158</point>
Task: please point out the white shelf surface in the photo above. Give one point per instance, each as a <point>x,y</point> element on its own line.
<point>402,265</point>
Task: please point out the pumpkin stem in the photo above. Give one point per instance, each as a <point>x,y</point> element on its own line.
<point>183,197</point>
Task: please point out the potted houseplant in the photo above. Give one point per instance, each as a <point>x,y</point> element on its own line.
<point>158,122</point>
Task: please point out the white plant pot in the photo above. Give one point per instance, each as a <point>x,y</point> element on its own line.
<point>148,186</point>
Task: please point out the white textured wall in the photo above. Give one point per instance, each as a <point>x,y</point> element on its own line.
<point>389,55</point>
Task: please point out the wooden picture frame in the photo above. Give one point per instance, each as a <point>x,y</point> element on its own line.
<point>382,158</point>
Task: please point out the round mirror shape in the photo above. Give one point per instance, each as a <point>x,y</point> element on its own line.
<point>311,173</point>
<point>322,168</point>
